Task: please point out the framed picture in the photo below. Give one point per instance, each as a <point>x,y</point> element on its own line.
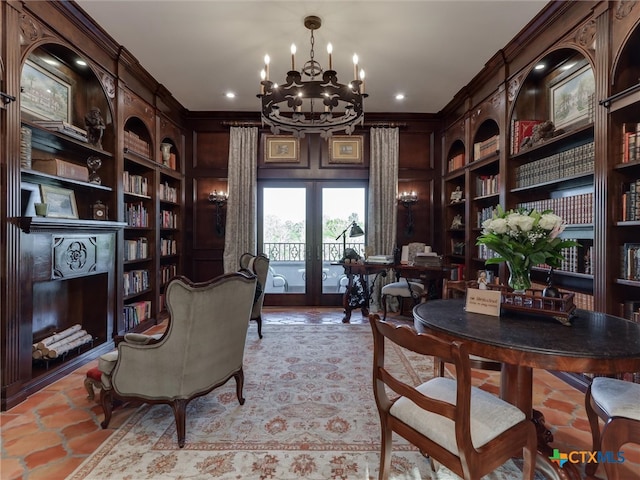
<point>345,149</point>
<point>572,98</point>
<point>43,94</point>
<point>281,149</point>
<point>61,202</point>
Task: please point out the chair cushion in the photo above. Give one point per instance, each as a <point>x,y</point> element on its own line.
<point>490,416</point>
<point>401,289</point>
<point>617,397</point>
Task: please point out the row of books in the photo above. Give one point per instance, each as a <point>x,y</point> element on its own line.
<point>136,215</point>
<point>455,162</point>
<point>134,143</point>
<point>172,161</point>
<point>521,129</point>
<point>136,313</point>
<point>630,261</point>
<point>482,215</point>
<point>631,202</point>
<point>572,162</point>
<point>135,184</point>
<point>630,309</point>
<point>576,259</point>
<point>135,281</point>
<point>487,185</point>
<point>576,209</point>
<point>167,193</point>
<point>167,272</point>
<point>136,249</point>
<point>168,246</point>
<point>630,142</point>
<point>485,252</point>
<point>486,147</point>
<point>168,219</point>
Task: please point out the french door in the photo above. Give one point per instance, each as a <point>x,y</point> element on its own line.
<point>303,227</point>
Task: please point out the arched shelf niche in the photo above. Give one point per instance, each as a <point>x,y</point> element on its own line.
<point>486,140</point>
<point>558,88</point>
<point>58,84</point>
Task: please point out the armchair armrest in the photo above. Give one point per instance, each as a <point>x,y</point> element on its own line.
<point>141,338</point>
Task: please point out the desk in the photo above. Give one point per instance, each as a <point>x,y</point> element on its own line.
<point>358,292</point>
<point>595,343</point>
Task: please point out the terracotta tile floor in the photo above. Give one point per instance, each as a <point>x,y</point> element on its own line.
<point>48,435</point>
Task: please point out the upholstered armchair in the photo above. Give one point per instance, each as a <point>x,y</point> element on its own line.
<point>201,349</point>
<point>259,266</point>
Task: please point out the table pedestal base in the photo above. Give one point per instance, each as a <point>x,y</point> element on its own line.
<point>568,471</point>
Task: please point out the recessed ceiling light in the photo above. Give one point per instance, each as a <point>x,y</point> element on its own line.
<point>399,96</point>
<point>230,95</point>
<point>539,66</point>
<point>82,63</point>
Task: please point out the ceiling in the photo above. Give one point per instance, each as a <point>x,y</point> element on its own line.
<point>200,50</point>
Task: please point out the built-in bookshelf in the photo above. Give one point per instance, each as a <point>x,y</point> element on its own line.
<point>455,201</point>
<point>170,196</point>
<point>624,170</point>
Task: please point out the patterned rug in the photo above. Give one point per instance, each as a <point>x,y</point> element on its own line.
<point>309,414</point>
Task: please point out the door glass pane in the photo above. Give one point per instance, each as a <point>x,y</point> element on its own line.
<point>340,208</point>
<point>284,229</point>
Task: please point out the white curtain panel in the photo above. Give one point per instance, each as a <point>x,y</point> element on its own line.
<point>240,230</point>
<point>383,190</point>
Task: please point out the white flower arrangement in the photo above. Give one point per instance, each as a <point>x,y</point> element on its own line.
<point>525,238</point>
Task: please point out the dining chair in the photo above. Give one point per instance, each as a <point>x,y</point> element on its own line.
<point>458,289</point>
<point>403,288</point>
<point>466,429</point>
<point>617,402</point>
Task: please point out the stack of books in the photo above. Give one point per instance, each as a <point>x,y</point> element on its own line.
<point>380,259</point>
<point>428,259</point>
<point>65,128</point>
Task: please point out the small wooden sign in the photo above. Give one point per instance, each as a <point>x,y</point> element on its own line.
<point>486,302</point>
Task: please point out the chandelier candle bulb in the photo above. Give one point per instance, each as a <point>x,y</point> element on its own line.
<point>362,75</point>
<point>330,51</point>
<point>263,76</point>
<point>293,57</point>
<point>267,60</point>
<point>355,66</point>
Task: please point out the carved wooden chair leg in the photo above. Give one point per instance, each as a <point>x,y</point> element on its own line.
<point>385,454</point>
<point>239,376</point>
<point>106,400</point>
<point>179,407</point>
<point>384,306</point>
<point>259,322</point>
<point>88,385</point>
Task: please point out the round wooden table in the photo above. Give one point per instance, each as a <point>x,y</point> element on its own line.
<point>594,343</point>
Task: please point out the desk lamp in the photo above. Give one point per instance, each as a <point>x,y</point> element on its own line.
<point>355,231</point>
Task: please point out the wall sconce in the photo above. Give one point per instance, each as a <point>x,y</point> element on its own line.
<point>408,199</point>
<point>219,199</point>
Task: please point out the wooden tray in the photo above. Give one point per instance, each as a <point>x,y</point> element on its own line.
<point>532,302</point>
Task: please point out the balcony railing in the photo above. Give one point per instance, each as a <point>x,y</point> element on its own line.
<point>297,252</point>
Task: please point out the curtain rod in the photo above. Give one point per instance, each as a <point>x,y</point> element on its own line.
<point>366,125</point>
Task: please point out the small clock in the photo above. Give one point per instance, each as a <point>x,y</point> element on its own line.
<point>100,211</point>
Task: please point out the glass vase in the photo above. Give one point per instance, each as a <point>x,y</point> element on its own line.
<point>519,277</point>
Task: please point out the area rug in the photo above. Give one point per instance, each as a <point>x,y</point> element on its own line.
<point>309,414</point>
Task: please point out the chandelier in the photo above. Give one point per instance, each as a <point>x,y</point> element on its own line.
<point>316,104</point>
